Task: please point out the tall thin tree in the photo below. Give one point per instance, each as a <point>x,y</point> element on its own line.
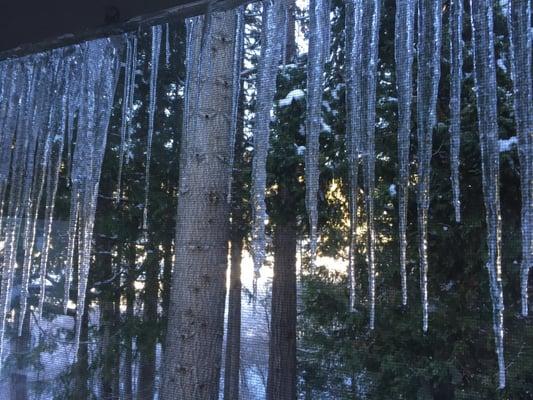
<point>193,345</point>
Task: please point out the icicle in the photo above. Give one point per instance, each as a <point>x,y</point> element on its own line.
<point>284,33</point>
<point>237,66</point>
<point>404,54</point>
<point>519,17</point>
<point>75,177</point>
<point>456,78</point>
<point>353,108</point>
<point>429,47</point>
<point>129,71</point>
<point>53,168</point>
<point>189,61</point>
<point>319,25</point>
<point>100,71</point>
<point>361,101</point>
<point>168,50</point>
<point>127,104</point>
<point>486,95</point>
<point>273,20</point>
<point>131,100</point>
<point>154,66</point>
<point>369,54</point>
<point>73,105</point>
<point>8,121</point>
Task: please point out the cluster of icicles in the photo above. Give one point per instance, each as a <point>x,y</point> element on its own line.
<point>54,114</point>
<point>62,100</point>
<point>361,51</point>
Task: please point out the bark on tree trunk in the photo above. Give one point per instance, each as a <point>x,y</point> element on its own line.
<point>148,340</point>
<point>233,343</point>
<point>281,382</point>
<point>193,347</point>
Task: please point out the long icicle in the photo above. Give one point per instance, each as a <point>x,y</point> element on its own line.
<point>353,13</point>
<point>54,168</point>
<point>154,66</point>
<point>237,66</point>
<point>168,49</point>
<point>129,85</point>
<point>404,55</point>
<point>519,21</point>
<point>319,26</point>
<point>486,96</point>
<point>370,42</point>
<point>429,48</point>
<point>73,105</point>
<point>456,79</point>
<point>30,219</point>
<point>8,115</point>
<point>100,71</point>
<point>273,20</point>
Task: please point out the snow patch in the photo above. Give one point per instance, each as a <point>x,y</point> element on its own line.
<point>507,144</point>
<point>501,65</point>
<point>295,94</point>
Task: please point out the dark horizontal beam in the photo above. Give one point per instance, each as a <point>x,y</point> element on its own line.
<point>31,26</point>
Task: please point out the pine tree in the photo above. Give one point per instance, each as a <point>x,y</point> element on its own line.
<point>193,344</point>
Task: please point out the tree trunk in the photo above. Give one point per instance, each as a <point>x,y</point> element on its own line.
<point>193,347</point>
<point>106,348</point>
<point>108,325</point>
<point>291,50</point>
<point>81,388</point>
<point>128,341</point>
<point>147,340</point>
<point>116,338</point>
<point>19,380</point>
<point>281,382</point>
<point>233,341</point>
